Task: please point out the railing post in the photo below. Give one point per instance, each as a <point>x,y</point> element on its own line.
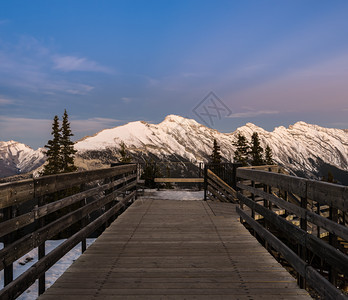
<point>41,250</point>
<point>205,182</point>
<point>84,221</point>
<point>302,250</point>
<point>253,198</point>
<point>8,239</point>
<point>333,216</point>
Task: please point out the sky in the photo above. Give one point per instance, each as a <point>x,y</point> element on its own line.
<point>223,63</point>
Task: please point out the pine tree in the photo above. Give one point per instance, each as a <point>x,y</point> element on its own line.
<point>241,154</point>
<point>54,158</point>
<point>268,156</point>
<point>256,151</point>
<point>150,172</point>
<point>67,146</point>
<point>216,156</point>
<point>125,157</point>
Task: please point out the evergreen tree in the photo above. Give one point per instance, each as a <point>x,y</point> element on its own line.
<point>256,151</point>
<point>150,172</point>
<point>241,154</point>
<point>54,158</point>
<point>268,156</point>
<point>67,146</point>
<point>125,157</point>
<point>216,156</point>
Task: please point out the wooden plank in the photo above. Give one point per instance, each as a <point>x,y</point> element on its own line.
<point>288,183</point>
<point>180,180</point>
<point>331,226</point>
<point>14,193</point>
<point>53,183</point>
<point>328,193</point>
<point>276,200</point>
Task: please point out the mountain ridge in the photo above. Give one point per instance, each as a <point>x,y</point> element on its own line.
<point>301,148</point>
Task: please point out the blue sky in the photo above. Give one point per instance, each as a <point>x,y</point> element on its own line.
<point>271,63</point>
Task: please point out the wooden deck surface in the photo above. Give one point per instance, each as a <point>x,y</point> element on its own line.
<point>161,249</point>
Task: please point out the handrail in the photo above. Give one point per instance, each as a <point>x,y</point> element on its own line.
<point>39,209</point>
<point>218,189</point>
<point>273,190</point>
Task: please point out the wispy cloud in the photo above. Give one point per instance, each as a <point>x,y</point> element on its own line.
<point>5,101</point>
<point>27,66</point>
<point>92,125</point>
<point>73,63</point>
<point>250,114</point>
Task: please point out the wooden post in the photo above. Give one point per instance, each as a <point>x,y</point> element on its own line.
<point>302,251</point>
<point>333,216</point>
<point>41,250</point>
<point>8,239</point>
<point>200,175</point>
<point>205,182</point>
<point>265,204</point>
<point>84,221</point>
<point>253,198</point>
<point>318,227</point>
<point>241,205</point>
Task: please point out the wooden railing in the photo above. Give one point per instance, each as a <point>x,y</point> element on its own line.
<point>36,210</point>
<point>291,218</point>
<point>220,182</point>
<point>218,190</point>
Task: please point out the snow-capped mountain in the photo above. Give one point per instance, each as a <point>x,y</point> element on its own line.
<point>302,148</point>
<point>17,158</point>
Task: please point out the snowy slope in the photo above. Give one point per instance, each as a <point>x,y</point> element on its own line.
<point>301,147</point>
<point>16,158</point>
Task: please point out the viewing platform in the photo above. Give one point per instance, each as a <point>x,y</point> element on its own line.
<point>172,249</point>
<point>230,240</point>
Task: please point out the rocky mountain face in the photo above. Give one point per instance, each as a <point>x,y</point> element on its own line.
<point>17,158</point>
<point>303,149</point>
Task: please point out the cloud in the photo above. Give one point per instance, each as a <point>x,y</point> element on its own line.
<point>4,21</point>
<point>92,125</point>
<point>27,66</point>
<point>5,101</point>
<point>249,114</point>
<point>73,63</point>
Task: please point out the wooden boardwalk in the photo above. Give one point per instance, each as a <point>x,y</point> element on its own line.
<point>167,249</point>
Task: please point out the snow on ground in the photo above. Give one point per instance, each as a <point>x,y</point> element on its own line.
<point>173,194</point>
<point>25,262</point>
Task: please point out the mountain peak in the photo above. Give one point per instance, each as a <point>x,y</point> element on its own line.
<point>179,120</point>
